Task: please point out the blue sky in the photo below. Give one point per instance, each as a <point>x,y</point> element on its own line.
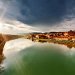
<point>39,13</point>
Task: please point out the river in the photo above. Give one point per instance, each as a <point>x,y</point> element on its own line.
<point>24,57</point>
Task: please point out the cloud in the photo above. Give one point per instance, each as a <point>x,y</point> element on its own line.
<point>14,10</point>
<point>39,12</point>
<point>16,28</point>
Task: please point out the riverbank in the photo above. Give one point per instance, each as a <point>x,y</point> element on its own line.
<point>68,43</point>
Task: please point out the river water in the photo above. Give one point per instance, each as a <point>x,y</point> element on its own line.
<point>28,58</point>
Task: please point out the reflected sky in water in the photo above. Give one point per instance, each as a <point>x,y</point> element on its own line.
<point>39,59</point>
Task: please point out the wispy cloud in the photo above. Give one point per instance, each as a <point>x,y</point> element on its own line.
<point>16,27</point>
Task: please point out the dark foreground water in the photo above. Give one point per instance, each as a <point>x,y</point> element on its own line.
<point>41,59</point>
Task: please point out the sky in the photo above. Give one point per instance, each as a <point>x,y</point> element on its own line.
<point>46,15</point>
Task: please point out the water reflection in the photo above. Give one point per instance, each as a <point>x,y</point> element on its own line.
<point>69,43</point>
<point>40,59</point>
<point>1,62</point>
<point>37,58</point>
